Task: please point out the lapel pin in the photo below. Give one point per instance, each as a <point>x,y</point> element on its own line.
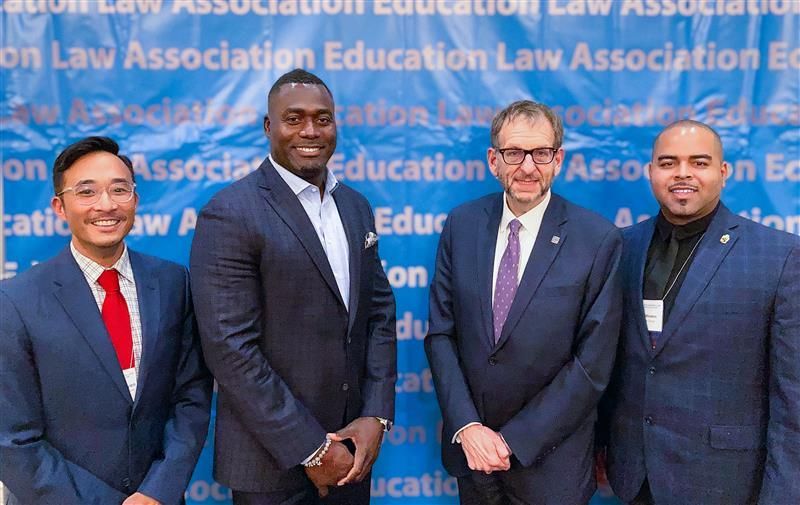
<point>370,240</point>
<point>555,240</point>
<point>724,239</point>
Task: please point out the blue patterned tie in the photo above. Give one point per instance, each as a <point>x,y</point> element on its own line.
<point>506,285</point>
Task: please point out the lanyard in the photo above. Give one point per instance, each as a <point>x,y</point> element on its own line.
<point>691,253</point>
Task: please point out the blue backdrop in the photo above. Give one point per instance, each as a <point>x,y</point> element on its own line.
<point>182,85</point>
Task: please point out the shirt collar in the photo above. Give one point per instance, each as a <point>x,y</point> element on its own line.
<point>685,231</point>
<point>92,270</point>
<point>298,185</point>
<point>531,220</point>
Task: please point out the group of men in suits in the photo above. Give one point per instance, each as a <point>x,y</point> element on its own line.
<point>669,352</point>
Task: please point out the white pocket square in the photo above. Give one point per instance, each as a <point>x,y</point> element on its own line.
<point>370,239</point>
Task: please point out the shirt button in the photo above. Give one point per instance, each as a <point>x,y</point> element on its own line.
<point>648,420</point>
<point>349,339</point>
<point>345,386</point>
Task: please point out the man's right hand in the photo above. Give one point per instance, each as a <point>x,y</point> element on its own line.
<point>336,464</point>
<point>485,449</point>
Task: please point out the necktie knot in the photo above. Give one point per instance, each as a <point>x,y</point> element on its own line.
<point>514,225</point>
<point>109,281</point>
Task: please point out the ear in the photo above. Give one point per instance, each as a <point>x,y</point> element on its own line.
<point>649,169</point>
<point>266,125</point>
<point>725,169</point>
<point>58,207</point>
<point>491,158</point>
<point>558,160</point>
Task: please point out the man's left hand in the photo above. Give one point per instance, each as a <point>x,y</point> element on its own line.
<point>140,499</point>
<point>366,434</point>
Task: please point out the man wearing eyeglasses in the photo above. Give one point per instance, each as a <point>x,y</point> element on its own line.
<point>104,396</point>
<point>524,318</point>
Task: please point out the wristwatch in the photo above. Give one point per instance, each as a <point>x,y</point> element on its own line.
<point>387,424</point>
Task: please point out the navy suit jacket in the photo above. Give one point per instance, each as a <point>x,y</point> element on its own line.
<point>712,414</point>
<point>69,431</point>
<point>540,384</point>
<point>292,363</point>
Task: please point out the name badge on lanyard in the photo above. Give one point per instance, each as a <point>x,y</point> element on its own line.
<point>131,380</point>
<point>654,314</point>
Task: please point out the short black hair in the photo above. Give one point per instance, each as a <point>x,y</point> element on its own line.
<point>297,76</point>
<point>81,148</point>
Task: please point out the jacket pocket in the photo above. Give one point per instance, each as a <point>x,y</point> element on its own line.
<point>736,438</point>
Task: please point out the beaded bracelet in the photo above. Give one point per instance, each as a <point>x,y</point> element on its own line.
<point>317,460</point>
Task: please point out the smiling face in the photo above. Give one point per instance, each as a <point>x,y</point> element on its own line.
<point>302,130</point>
<point>687,173</point>
<point>97,229</point>
<point>525,184</point>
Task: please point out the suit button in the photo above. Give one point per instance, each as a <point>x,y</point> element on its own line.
<point>492,360</point>
<point>648,420</point>
<point>126,483</point>
<point>345,386</point>
<point>652,370</point>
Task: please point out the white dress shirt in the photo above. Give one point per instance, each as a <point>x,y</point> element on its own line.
<point>531,223</point>
<point>324,215</point>
<point>127,285</point>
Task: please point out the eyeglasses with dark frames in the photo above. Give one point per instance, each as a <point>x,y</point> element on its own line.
<point>540,155</point>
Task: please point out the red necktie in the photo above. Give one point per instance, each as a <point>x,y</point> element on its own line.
<point>117,318</point>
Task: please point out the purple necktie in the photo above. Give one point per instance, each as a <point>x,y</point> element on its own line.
<point>506,285</point>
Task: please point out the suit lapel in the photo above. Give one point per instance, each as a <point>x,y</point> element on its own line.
<point>288,207</point>
<point>76,297</point>
<point>708,256</point>
<point>349,215</point>
<point>486,242</point>
<point>640,243</point>
<point>148,293</point>
<point>544,252</point>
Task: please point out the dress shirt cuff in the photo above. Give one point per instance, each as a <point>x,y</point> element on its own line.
<point>457,435</point>
<point>506,443</point>
<point>311,456</point>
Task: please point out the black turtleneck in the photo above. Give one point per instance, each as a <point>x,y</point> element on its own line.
<point>687,237</point>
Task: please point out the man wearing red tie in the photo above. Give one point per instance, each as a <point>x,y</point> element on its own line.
<point>103,392</point>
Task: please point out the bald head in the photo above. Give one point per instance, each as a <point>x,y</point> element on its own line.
<point>688,127</point>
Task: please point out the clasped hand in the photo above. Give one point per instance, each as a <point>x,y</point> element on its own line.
<point>339,467</point>
<point>485,449</point>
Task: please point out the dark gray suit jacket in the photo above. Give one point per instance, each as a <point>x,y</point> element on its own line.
<point>291,362</point>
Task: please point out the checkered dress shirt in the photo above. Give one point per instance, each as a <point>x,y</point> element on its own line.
<point>92,270</point>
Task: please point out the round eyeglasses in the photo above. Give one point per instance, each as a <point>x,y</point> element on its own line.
<point>89,194</point>
<point>540,155</point>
